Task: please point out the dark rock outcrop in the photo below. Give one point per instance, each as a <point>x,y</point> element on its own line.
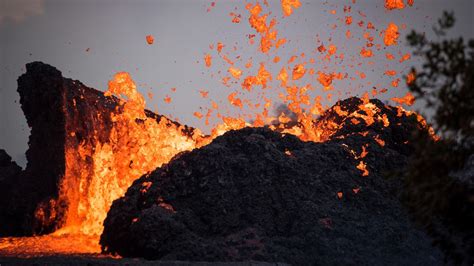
<point>255,194</point>
<point>9,172</point>
<point>8,168</point>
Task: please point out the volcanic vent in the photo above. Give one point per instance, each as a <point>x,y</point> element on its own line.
<point>254,193</point>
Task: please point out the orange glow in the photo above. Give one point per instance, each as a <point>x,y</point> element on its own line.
<point>395,83</point>
<point>380,141</point>
<point>131,151</point>
<point>288,5</point>
<point>339,195</point>
<point>405,57</point>
<point>283,77</point>
<point>259,22</point>
<point>321,48</point>
<point>348,20</point>
<point>332,49</point>
<point>298,71</point>
<point>363,167</point>
<point>204,93</point>
<point>394,4</point>
<point>235,101</point>
<point>390,72</point>
<point>150,39</point>
<point>235,72</point>
<point>363,153</point>
<point>208,60</point>
<point>235,17</point>
<point>262,78</point>
<point>391,34</point>
<point>219,47</point>
<point>198,115</point>
<point>366,52</point>
<point>411,77</point>
<point>408,99</point>
<point>325,79</point>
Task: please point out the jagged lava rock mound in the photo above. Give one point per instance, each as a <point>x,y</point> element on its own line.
<point>354,117</point>
<point>255,194</point>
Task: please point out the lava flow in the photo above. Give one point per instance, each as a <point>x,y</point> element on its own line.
<point>136,145</point>
<point>99,169</point>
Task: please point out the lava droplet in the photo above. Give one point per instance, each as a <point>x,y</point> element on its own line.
<point>150,39</point>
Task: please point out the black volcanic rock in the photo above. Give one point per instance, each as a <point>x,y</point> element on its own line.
<point>255,194</point>
<point>9,169</point>
<point>9,172</point>
<point>396,134</point>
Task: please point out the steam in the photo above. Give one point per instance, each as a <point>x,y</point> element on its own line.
<point>283,109</point>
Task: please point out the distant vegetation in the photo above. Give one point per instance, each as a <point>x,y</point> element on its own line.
<point>439,182</point>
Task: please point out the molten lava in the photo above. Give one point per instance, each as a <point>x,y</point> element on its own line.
<point>137,144</point>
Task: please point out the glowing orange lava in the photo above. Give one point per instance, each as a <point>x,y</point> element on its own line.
<point>391,34</point>
<point>150,39</point>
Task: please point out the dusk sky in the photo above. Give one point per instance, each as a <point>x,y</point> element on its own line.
<point>92,40</point>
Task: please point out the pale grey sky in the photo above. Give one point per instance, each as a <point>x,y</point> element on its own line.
<point>58,32</point>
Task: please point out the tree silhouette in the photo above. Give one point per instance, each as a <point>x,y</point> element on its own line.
<point>439,181</point>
